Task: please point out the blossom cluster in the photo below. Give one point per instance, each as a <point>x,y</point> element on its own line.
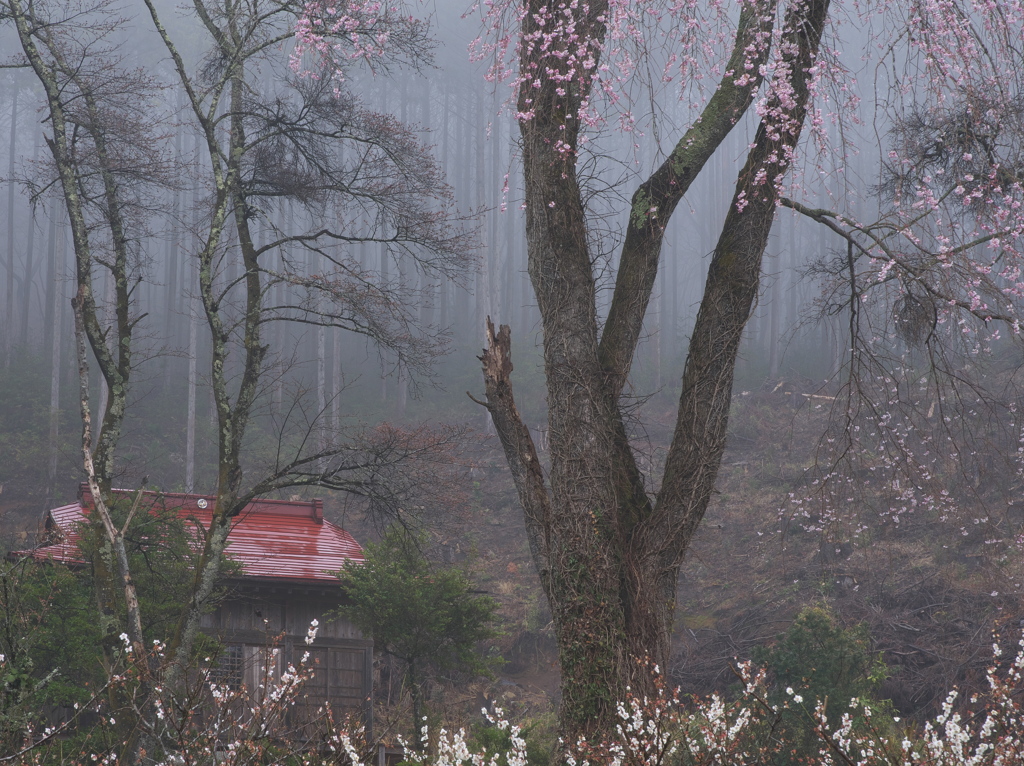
<point>590,53</point>
<point>331,36</point>
<point>662,727</point>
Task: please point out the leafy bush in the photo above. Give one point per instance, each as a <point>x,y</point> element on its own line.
<point>818,662</point>
<point>49,655</point>
<point>427,617</point>
<point>55,653</point>
<point>495,742</point>
<point>821,659</point>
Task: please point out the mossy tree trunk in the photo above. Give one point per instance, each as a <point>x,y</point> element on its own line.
<point>608,553</point>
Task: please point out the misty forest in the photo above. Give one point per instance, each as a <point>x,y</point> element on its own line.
<point>647,374</point>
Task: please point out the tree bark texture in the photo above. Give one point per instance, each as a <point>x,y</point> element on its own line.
<point>608,553</point>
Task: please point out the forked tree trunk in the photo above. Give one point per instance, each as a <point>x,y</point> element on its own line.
<point>608,554</point>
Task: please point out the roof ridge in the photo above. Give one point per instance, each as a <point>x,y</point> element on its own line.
<point>275,539</point>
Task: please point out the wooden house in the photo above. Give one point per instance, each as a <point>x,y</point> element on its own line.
<point>287,557</point>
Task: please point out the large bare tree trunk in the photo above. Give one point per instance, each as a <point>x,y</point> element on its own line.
<point>607,553</point>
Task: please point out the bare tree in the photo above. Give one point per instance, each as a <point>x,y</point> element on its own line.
<point>353,175</point>
<point>101,141</point>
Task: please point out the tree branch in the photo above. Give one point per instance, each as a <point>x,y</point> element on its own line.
<point>656,199</point>
<point>520,451</point>
<point>698,441</point>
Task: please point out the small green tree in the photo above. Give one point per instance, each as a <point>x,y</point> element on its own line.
<point>817,660</point>
<point>54,653</point>
<point>425,616</point>
<point>49,646</point>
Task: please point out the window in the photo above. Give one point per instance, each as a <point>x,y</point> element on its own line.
<point>230,667</point>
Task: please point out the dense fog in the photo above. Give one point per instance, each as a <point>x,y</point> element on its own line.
<point>302,244</point>
<point>466,123</point>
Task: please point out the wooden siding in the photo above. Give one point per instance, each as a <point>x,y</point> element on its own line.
<point>263,629</point>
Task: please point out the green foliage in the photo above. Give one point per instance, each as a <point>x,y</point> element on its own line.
<point>416,611</point>
<point>491,741</point>
<point>55,653</point>
<point>817,660</point>
<point>496,742</point>
<point>823,659</point>
<point>539,733</point>
<point>425,616</point>
<point>49,640</point>
<point>161,560</point>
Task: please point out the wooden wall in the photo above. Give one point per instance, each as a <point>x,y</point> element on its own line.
<point>263,629</point>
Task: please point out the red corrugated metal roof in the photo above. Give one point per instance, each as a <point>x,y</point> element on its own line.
<point>270,539</point>
<point>62,526</point>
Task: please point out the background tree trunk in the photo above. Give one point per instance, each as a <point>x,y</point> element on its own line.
<point>54,326</point>
<point>8,335</point>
